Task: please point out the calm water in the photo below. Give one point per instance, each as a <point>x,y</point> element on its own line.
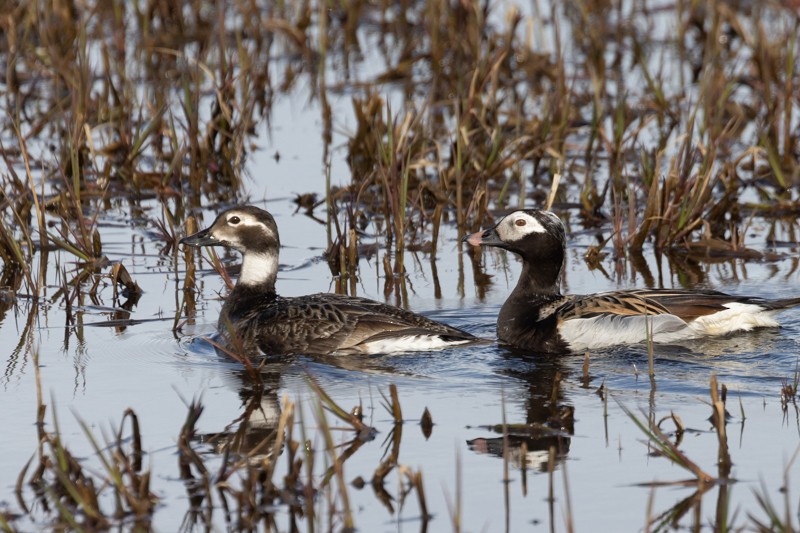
<point>93,373</point>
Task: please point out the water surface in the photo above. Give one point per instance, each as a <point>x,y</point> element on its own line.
<point>94,372</point>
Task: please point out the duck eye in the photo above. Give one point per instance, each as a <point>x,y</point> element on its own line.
<point>520,222</point>
<point>234,220</point>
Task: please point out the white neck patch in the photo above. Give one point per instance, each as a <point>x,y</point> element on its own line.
<point>517,225</point>
<point>259,268</point>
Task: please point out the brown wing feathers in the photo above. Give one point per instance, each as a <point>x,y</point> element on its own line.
<point>614,303</point>
<point>688,305</point>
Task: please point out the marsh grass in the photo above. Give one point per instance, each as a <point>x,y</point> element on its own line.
<point>78,496</point>
<point>672,142</point>
<point>242,481</point>
<point>777,520</point>
<point>789,389</point>
<point>459,118</point>
<point>702,481</point>
<point>235,472</point>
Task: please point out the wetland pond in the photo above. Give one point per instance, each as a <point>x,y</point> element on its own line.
<point>123,404</point>
<point>93,371</point>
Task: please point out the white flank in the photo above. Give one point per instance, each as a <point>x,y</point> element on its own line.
<point>737,317</point>
<point>609,330</point>
<point>408,343</point>
<point>488,446</point>
<point>258,268</point>
<point>604,331</point>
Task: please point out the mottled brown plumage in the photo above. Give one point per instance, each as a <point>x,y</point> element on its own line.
<point>255,317</point>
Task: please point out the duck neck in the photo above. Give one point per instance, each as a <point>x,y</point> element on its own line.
<point>536,286</point>
<point>535,280</point>
<point>259,271</point>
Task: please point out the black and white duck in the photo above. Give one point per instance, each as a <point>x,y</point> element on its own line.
<point>317,324</point>
<point>537,317</point>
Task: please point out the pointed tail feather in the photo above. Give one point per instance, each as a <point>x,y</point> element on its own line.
<point>783,303</point>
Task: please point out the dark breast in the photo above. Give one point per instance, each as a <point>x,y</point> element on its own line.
<point>531,325</point>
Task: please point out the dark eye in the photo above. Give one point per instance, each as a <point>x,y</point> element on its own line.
<point>234,220</point>
<point>520,222</point>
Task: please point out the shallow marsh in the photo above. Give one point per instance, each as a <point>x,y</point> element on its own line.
<point>675,128</point>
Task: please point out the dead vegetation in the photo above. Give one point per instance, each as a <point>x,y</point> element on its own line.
<point>237,472</point>
<point>674,128</point>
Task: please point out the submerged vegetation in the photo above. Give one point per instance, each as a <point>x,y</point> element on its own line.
<point>673,127</point>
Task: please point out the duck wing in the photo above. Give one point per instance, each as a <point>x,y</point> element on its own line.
<point>685,304</point>
<point>620,303</point>
<point>691,304</point>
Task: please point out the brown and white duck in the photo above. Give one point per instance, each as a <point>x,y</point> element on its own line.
<point>536,316</point>
<point>318,324</point>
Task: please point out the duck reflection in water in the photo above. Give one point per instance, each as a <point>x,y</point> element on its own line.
<point>248,447</point>
<point>266,433</point>
<point>251,435</point>
<point>549,419</point>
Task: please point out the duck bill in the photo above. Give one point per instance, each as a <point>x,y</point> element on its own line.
<point>485,238</point>
<point>201,238</point>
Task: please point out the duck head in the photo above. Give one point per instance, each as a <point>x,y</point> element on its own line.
<point>251,231</point>
<point>538,237</point>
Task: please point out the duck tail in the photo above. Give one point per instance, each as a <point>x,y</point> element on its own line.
<point>783,303</point>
